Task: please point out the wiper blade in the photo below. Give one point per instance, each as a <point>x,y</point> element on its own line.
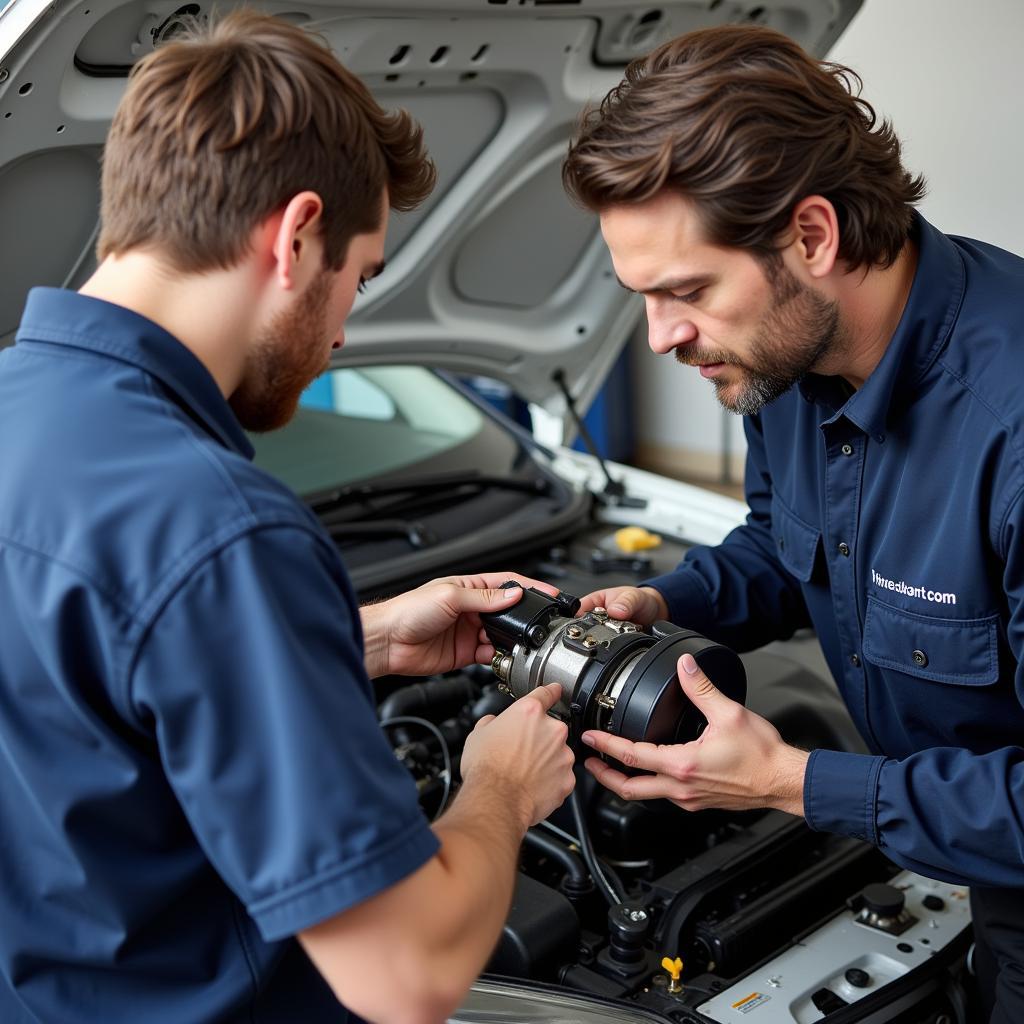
<point>425,485</point>
<point>417,534</point>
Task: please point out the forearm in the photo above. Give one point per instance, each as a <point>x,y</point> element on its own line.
<point>785,785</point>
<point>745,591</point>
<point>409,955</point>
<point>736,593</point>
<point>978,838</point>
<point>480,839</point>
<point>375,639</point>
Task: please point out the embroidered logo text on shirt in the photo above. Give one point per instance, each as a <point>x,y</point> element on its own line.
<point>901,587</point>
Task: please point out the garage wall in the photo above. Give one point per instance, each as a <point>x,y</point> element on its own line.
<point>947,73</point>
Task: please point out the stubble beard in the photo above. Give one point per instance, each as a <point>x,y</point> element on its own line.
<point>800,330</point>
<point>286,358</point>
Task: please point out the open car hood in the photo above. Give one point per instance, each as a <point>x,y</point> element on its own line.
<point>497,274</point>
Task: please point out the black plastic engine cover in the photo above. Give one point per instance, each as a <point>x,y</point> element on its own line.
<point>541,934</point>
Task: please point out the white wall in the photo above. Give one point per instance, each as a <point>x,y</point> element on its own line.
<point>948,74</point>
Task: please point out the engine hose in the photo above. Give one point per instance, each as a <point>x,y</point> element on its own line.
<point>576,873</point>
<point>417,698</point>
<point>610,893</point>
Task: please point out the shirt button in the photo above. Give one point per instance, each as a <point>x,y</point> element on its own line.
<point>920,658</point>
<point>844,549</point>
<point>854,661</point>
<point>847,449</point>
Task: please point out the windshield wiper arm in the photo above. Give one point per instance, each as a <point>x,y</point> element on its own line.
<point>418,535</point>
<point>354,493</point>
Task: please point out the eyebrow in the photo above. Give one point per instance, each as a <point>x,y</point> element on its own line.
<point>672,284</point>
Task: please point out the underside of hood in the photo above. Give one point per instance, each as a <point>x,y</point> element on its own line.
<point>497,274</point>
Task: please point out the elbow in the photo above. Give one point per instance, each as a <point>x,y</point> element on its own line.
<point>422,994</point>
<point>434,994</point>
<point>413,1008</point>
<point>436,1009</point>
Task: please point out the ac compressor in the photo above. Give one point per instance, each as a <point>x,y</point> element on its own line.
<point>615,675</point>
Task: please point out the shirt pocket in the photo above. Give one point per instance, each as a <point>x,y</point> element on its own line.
<point>960,651</point>
<point>796,542</point>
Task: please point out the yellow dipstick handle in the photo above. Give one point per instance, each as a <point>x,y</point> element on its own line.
<point>635,538</point>
<point>674,969</point>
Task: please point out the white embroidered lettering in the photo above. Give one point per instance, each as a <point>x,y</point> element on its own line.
<point>900,587</point>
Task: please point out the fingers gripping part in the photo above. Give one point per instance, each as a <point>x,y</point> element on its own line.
<point>614,675</point>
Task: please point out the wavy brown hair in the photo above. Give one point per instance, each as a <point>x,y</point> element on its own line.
<point>740,120</point>
<point>221,127</point>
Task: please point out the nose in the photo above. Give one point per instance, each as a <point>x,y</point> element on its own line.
<point>339,340</point>
<point>667,330</point>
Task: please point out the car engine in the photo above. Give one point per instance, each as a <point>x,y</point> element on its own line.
<point>679,916</point>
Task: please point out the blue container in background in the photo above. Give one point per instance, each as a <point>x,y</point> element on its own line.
<point>609,420</point>
<point>319,394</point>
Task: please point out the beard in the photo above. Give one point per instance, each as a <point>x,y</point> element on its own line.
<point>799,331</point>
<point>285,359</point>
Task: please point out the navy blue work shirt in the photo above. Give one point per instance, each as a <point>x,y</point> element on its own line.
<point>191,769</point>
<point>892,520</point>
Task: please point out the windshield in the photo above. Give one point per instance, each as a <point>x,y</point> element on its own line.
<point>358,423</point>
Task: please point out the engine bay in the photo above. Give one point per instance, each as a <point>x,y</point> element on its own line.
<point>688,916</point>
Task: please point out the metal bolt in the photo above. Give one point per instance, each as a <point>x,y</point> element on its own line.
<point>536,635</point>
<point>638,915</point>
<point>589,641</point>
<point>4,74</point>
<point>606,702</point>
<point>629,627</point>
<point>501,666</point>
<point>574,632</point>
<point>600,614</point>
<point>775,980</point>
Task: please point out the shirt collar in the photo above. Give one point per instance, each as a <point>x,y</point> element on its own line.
<point>924,328</point>
<point>68,318</point>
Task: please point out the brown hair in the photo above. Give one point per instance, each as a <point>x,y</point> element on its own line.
<point>222,126</point>
<point>743,122</point>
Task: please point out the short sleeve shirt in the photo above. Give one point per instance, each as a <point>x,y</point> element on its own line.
<point>191,769</point>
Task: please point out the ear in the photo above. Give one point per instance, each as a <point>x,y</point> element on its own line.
<point>814,230</point>
<point>296,245</point>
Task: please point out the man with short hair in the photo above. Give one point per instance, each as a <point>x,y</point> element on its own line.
<point>749,194</point>
<point>198,802</point>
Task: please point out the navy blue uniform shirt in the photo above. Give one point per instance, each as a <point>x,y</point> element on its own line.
<point>191,769</point>
<point>892,521</point>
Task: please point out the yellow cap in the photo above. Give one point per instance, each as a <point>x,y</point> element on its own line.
<point>674,967</point>
<point>635,538</point>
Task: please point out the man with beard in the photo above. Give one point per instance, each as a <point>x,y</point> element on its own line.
<point>198,803</point>
<point>749,194</point>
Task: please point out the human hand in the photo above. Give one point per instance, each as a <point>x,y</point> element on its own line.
<point>642,605</point>
<point>738,762</point>
<point>436,627</point>
<point>522,753</point>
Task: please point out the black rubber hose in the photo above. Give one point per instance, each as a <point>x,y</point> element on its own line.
<point>418,697</point>
<point>613,896</point>
<point>575,871</point>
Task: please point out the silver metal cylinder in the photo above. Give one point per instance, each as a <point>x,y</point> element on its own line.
<point>556,662</point>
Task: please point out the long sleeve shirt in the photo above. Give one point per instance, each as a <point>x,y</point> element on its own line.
<point>892,521</point>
